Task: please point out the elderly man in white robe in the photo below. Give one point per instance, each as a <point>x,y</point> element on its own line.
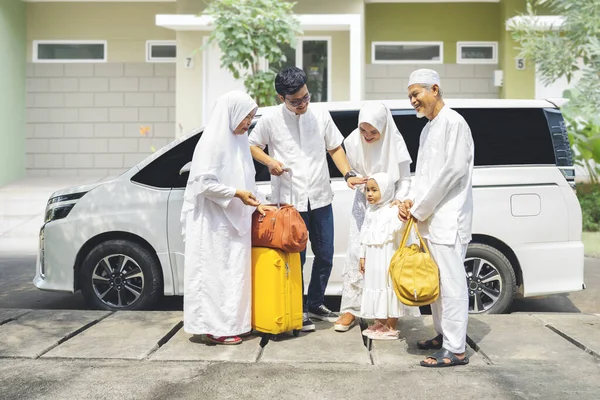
<point>441,200</point>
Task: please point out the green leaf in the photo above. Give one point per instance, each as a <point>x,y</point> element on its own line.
<point>248,30</point>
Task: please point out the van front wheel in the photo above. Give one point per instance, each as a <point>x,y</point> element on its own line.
<point>120,275</point>
<point>490,279</point>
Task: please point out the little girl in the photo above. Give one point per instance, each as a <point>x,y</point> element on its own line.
<point>380,238</point>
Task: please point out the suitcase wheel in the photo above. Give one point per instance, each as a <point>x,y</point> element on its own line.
<point>296,332</point>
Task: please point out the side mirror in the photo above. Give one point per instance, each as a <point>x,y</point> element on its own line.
<point>185,168</point>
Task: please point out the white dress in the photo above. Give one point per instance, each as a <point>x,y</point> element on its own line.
<point>378,297</point>
<point>218,275</point>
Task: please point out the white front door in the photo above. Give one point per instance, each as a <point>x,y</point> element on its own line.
<point>312,54</point>
<point>217,80</point>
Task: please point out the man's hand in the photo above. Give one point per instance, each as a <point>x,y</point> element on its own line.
<point>356,180</point>
<point>262,209</point>
<point>276,167</point>
<point>247,197</point>
<point>404,210</point>
<point>361,266</point>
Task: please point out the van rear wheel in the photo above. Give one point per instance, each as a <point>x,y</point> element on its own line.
<point>490,278</point>
<point>120,275</point>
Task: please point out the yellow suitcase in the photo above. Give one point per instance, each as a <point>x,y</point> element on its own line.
<point>276,291</point>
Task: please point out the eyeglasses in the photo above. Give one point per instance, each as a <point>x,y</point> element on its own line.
<point>299,102</point>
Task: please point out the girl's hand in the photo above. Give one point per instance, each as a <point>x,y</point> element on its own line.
<point>361,266</point>
<point>356,180</point>
<point>247,197</point>
<point>262,209</point>
<point>397,203</point>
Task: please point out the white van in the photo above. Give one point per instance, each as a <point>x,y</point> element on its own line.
<point>120,241</point>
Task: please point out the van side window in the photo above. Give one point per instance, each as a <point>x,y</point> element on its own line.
<point>510,136</point>
<point>502,136</point>
<point>164,171</point>
<point>410,127</point>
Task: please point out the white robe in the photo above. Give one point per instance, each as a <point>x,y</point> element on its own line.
<point>218,275</point>
<point>216,225</point>
<point>443,205</point>
<point>442,190</point>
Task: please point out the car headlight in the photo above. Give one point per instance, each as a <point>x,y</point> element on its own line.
<point>60,206</point>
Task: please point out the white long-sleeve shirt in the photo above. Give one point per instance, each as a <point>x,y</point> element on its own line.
<point>442,188</point>
<point>301,143</point>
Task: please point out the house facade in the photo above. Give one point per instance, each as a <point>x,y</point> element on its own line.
<point>93,87</point>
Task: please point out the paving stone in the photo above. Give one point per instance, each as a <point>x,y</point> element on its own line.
<point>123,335</point>
<point>506,339</point>
<point>8,314</point>
<point>404,351</point>
<point>38,331</point>
<point>583,328</point>
<point>323,346</point>
<point>186,347</point>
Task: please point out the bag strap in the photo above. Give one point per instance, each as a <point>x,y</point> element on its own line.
<point>412,223</point>
<point>406,234</point>
<point>423,245</point>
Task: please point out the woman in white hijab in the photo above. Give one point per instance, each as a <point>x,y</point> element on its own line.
<point>375,146</point>
<point>217,217</point>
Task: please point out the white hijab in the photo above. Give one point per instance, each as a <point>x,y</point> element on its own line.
<point>385,154</point>
<point>381,220</point>
<point>224,156</point>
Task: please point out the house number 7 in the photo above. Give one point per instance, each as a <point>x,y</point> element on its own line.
<point>189,62</point>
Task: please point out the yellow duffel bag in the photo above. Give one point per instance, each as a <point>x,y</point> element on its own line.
<point>415,276</point>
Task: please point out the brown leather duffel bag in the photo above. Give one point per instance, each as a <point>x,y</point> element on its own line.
<point>282,229</point>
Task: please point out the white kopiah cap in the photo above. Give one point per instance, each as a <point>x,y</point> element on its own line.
<point>424,77</point>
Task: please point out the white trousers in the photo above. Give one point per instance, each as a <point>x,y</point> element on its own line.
<point>451,310</point>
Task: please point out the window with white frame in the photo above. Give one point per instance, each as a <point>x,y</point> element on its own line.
<point>407,52</point>
<point>161,51</point>
<point>313,55</point>
<point>477,52</point>
<point>64,51</point>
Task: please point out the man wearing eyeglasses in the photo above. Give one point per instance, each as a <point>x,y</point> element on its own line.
<point>299,139</point>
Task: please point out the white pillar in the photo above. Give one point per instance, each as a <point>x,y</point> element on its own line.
<point>357,55</point>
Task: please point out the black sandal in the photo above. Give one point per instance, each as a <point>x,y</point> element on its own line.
<point>439,357</point>
<point>428,344</point>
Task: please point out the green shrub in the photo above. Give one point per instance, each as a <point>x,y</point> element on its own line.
<point>589,198</point>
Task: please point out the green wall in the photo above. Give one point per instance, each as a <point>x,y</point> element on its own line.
<point>428,22</point>
<point>12,90</point>
<point>518,84</point>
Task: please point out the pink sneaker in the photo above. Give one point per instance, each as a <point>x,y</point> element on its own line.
<point>386,334</point>
<point>372,329</point>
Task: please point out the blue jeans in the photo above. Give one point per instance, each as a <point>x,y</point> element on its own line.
<point>319,223</point>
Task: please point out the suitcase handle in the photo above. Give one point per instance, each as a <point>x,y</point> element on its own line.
<point>278,180</point>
